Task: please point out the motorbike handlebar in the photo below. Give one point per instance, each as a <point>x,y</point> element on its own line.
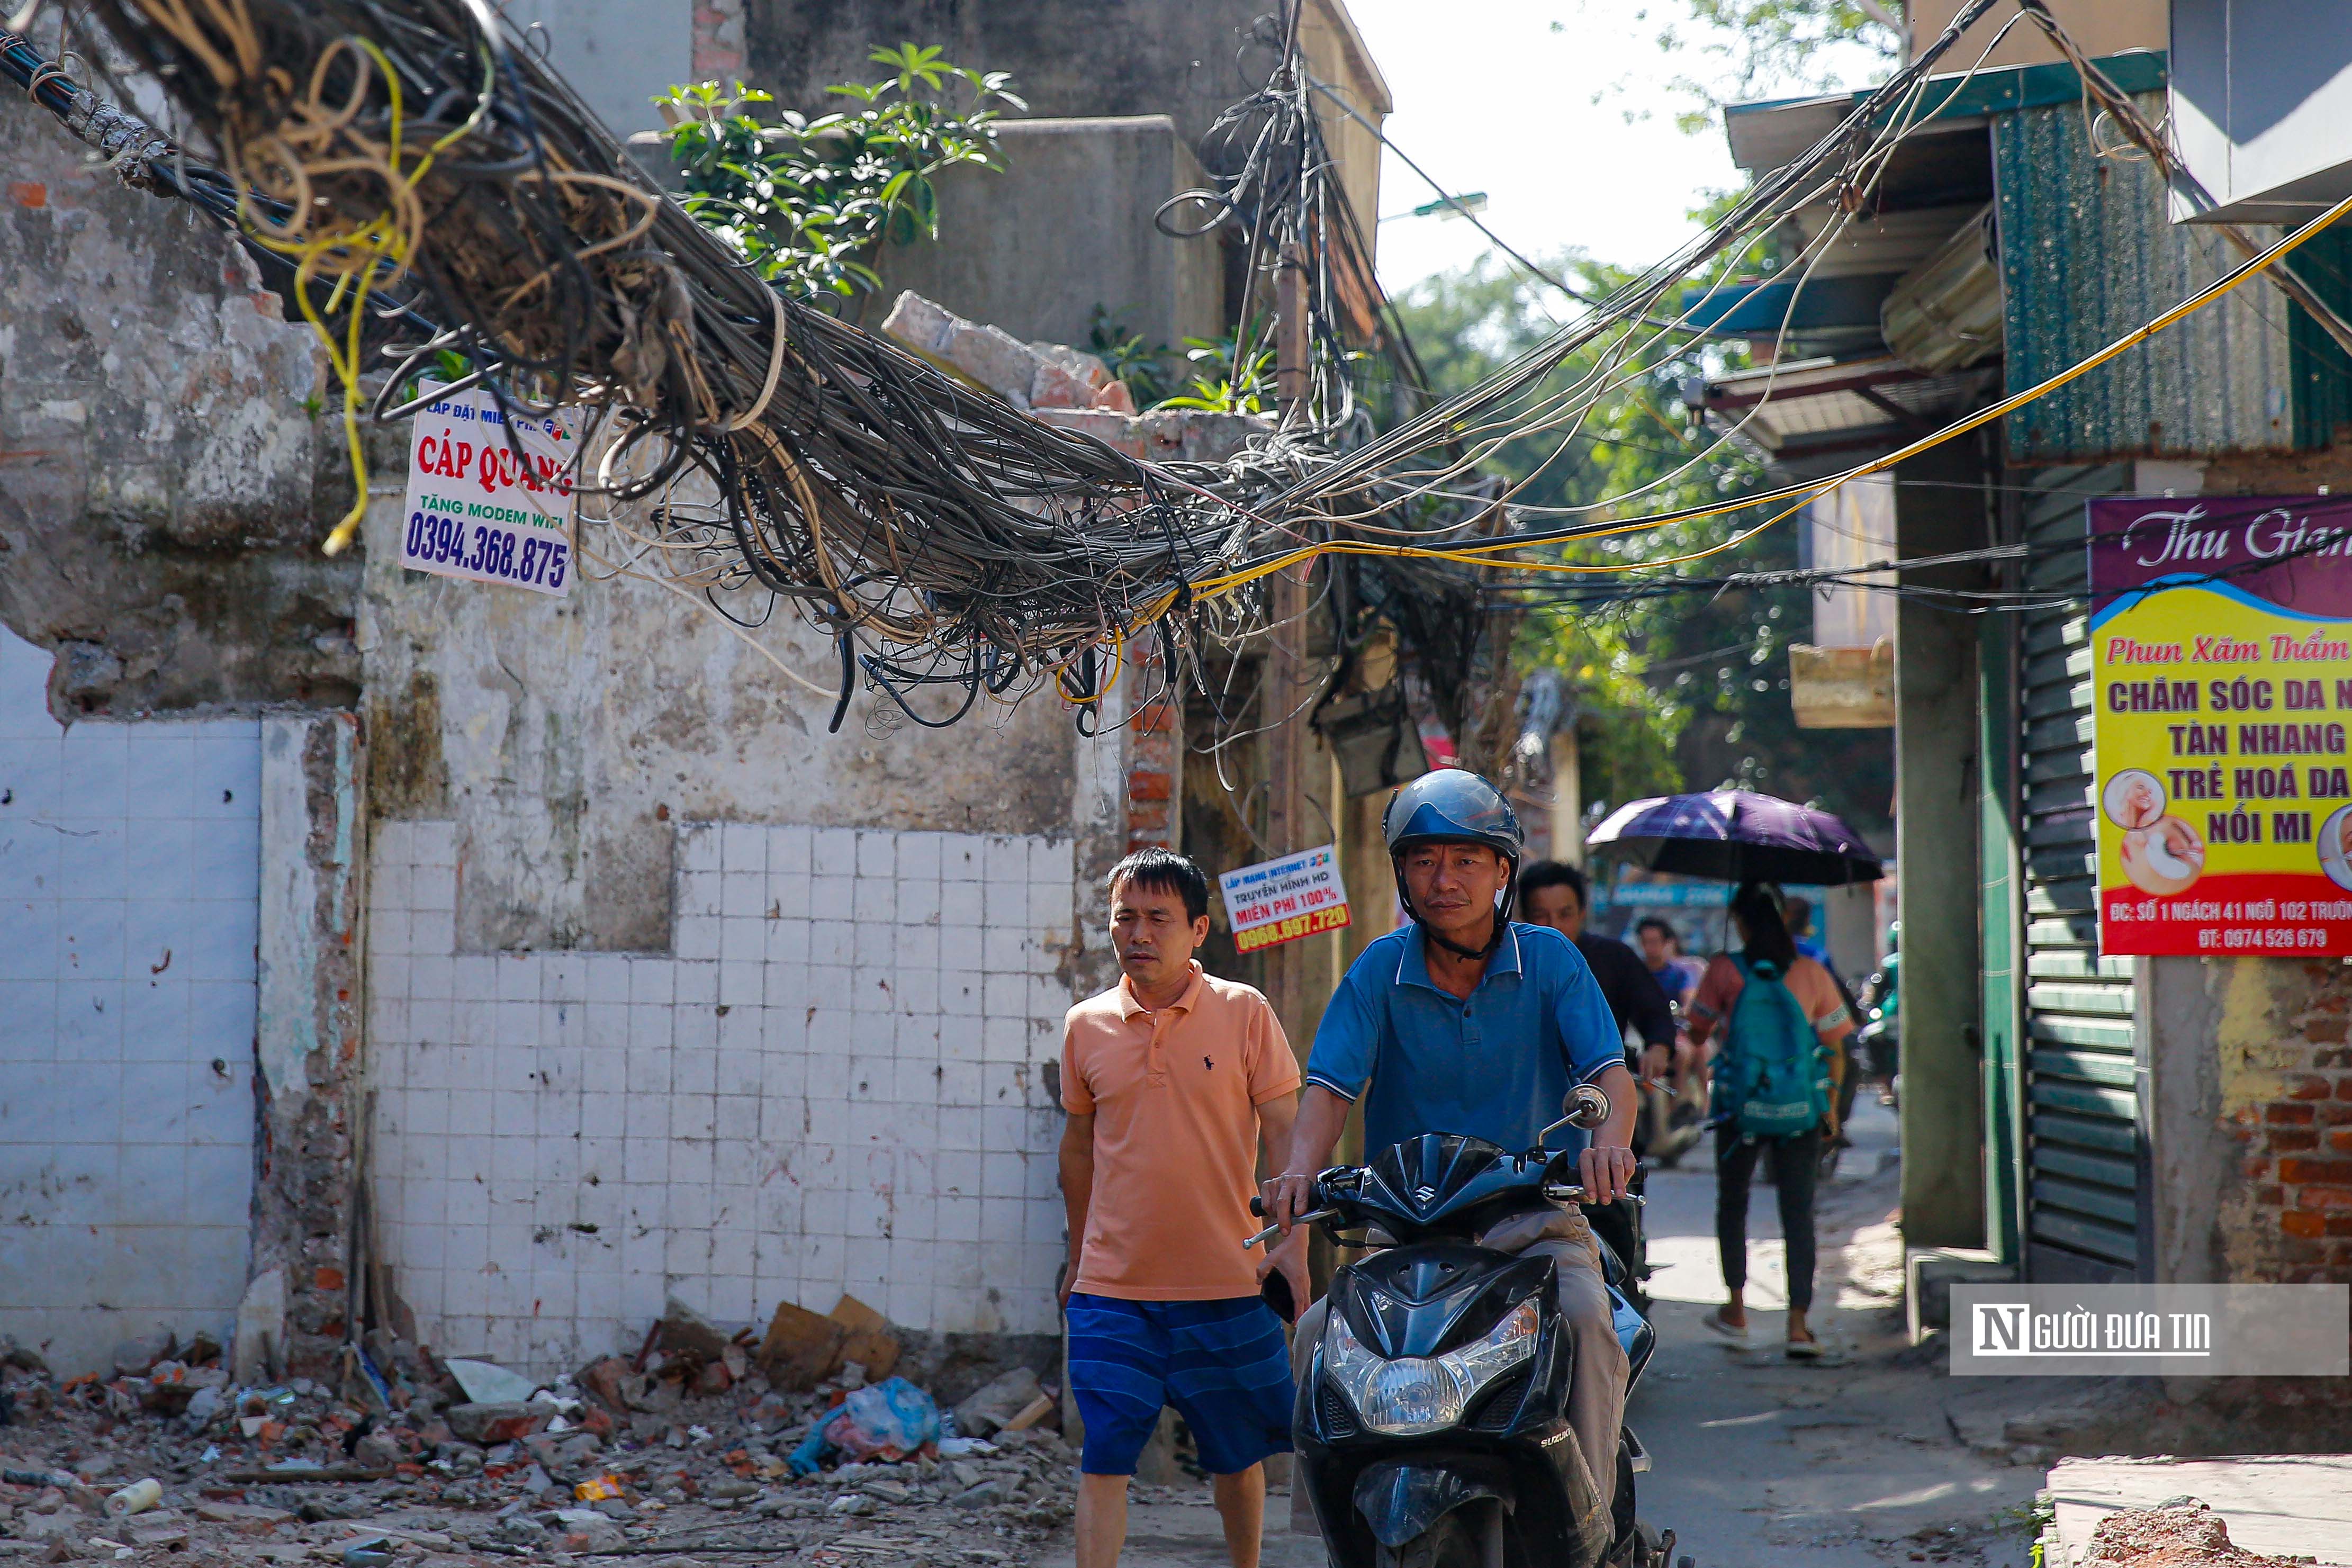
<point>1309,1217</point>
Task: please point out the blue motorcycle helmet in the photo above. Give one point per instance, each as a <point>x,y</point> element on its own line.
<point>1451,805</point>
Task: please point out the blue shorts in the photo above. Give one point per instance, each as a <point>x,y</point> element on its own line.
<point>1223,1366</point>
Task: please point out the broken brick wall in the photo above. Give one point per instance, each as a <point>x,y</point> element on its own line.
<point>2286,1092</point>
<point>165,453</point>
<point>169,463</point>
<point>2250,1133</point>
<point>311,1081</point>
<point>1155,764</point>
<point>673,993</point>
<point>172,462</point>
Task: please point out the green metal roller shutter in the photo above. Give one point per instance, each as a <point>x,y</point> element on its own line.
<point>2084,1153</point>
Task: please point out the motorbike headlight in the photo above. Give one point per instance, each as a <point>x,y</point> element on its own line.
<point>1504,1346</point>
<point>1414,1395</point>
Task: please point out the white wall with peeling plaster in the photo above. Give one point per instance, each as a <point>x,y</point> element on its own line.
<point>836,1082</point>
<point>129,899</point>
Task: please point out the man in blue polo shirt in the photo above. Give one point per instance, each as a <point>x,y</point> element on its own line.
<point>1465,1022</point>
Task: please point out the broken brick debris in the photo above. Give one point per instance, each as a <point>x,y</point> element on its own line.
<point>802,1349</point>
<point>2182,1534</point>
<point>664,1453</point>
<point>1066,387</point>
<point>996,1405</point>
<point>1026,375</point>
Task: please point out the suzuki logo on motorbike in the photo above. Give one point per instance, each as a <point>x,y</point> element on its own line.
<point>1422,1195</point>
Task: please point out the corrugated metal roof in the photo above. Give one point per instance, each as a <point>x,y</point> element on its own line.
<point>1770,132</point>
<point>1892,242</point>
<point>1801,401</point>
<point>2089,252</point>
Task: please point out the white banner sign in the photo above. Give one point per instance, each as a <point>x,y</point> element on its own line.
<point>1281,900</point>
<point>479,511</point>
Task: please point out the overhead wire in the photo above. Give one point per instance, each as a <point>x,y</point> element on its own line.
<point>936,534</point>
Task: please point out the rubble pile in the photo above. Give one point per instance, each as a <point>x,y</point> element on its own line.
<point>2182,1534</point>
<point>1066,387</point>
<point>702,1442</point>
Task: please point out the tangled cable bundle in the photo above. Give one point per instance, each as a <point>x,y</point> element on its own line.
<point>430,193</point>
<point>419,167</point>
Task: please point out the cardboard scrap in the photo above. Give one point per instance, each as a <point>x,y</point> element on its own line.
<point>801,1347</point>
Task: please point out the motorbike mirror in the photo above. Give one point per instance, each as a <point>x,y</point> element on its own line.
<point>1587,1108</point>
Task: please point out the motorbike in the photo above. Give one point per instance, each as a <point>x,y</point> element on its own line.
<point>1881,1036</point>
<point>1881,1041</point>
<point>1431,1428</point>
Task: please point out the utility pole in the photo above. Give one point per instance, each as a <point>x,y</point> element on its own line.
<point>1285,690</point>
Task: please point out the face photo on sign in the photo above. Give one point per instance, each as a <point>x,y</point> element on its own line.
<point>2335,852</point>
<point>2164,856</point>
<point>2133,798</point>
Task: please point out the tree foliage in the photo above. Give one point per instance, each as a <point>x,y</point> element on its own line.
<point>1729,50</point>
<point>811,202</point>
<point>1231,375</point>
<point>1686,692</point>
<point>1772,45</point>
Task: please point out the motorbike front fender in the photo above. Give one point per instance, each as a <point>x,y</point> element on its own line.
<point>1399,1502</point>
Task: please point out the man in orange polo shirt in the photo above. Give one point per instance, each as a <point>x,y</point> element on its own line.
<point>1171,1079</point>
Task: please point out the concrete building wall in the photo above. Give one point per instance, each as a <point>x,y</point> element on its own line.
<point>171,463</point>
<point>1067,58</point>
<point>1937,767</point>
<point>2101,27</point>
<point>1066,228</point>
<point>1336,56</point>
<point>616,54</point>
<point>130,901</point>
<point>2257,93</point>
<point>563,737</point>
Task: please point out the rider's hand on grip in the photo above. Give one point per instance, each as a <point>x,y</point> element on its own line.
<point>1605,1173</point>
<point>1286,1196</point>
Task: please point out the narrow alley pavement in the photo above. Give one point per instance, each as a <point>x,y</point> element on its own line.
<point>1872,1457</point>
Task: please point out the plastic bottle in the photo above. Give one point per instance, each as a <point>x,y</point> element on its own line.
<point>136,1498</point>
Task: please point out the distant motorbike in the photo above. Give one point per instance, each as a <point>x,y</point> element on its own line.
<point>1880,1040</point>
<point>1431,1427</point>
<point>1672,1121</point>
<point>1878,1045</point>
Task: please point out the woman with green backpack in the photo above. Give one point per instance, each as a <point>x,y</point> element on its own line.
<point>1783,1017</point>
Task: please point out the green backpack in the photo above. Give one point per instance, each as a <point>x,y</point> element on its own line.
<point>1774,1080</point>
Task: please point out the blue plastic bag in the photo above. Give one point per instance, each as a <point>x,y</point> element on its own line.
<point>887,1421</point>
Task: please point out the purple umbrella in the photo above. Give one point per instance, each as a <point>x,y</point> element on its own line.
<point>1733,833</point>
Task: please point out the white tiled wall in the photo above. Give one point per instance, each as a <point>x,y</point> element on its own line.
<point>130,887</point>
<point>834,1083</point>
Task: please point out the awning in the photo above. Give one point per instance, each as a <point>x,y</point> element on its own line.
<point>1805,409</point>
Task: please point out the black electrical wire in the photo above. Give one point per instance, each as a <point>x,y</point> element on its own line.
<point>775,453</point>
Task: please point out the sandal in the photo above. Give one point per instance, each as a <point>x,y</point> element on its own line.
<point>1806,1350</point>
<point>1714,1321</point>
